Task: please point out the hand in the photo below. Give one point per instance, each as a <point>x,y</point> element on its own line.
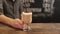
<point>18,20</point>
<point>17,23</point>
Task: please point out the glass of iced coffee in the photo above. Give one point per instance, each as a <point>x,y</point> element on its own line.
<point>27,19</point>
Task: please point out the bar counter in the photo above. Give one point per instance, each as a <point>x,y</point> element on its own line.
<point>37,28</point>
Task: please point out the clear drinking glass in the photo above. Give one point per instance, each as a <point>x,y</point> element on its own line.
<point>27,19</point>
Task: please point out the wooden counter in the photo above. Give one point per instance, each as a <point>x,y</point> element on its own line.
<point>37,28</point>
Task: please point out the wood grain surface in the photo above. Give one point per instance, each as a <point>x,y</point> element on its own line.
<point>37,28</point>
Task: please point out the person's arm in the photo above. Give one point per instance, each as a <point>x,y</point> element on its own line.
<point>5,19</point>
<point>10,21</point>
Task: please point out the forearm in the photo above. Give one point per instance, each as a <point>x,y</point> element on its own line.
<point>5,19</point>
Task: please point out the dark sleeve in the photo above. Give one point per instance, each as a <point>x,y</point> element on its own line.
<point>1,7</point>
<point>16,9</point>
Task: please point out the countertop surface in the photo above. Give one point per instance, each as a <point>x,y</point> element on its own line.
<point>37,28</point>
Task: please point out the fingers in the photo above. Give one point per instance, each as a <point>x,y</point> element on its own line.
<point>17,24</point>
<point>20,21</point>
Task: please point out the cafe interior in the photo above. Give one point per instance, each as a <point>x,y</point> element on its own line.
<point>44,18</point>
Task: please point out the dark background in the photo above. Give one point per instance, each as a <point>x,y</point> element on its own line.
<point>55,18</point>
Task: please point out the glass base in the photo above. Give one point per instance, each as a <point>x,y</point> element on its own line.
<point>26,28</point>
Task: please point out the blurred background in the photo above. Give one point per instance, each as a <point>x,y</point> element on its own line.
<point>44,11</point>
